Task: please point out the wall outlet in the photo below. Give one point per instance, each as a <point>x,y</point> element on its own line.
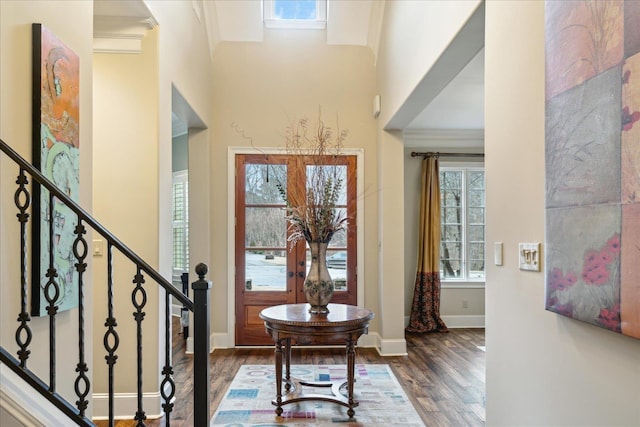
<point>465,303</point>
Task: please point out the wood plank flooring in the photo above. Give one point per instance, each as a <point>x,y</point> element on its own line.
<point>443,375</point>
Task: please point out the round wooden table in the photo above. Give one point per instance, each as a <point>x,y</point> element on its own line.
<point>294,322</point>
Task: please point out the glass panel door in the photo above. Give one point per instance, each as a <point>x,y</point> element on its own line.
<point>269,271</point>
<point>265,228</point>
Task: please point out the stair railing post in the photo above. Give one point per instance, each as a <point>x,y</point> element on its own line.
<point>201,297</point>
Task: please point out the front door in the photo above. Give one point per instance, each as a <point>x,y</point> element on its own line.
<point>268,270</point>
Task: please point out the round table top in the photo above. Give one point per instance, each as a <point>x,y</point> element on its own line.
<point>298,315</point>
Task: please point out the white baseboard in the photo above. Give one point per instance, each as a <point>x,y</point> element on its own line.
<point>12,413</point>
<point>215,341</point>
<point>176,310</point>
<point>32,409</point>
<point>26,406</point>
<point>458,321</point>
<point>369,340</point>
<point>395,347</point>
<point>372,339</point>
<point>454,322</point>
<point>125,405</point>
<point>220,340</point>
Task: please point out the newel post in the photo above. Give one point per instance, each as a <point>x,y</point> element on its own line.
<point>201,298</point>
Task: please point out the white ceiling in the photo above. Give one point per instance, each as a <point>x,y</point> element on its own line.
<point>458,106</point>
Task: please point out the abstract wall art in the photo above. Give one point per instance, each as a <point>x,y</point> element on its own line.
<point>592,162</point>
<point>56,153</point>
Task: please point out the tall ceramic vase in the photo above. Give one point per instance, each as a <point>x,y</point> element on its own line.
<point>318,286</point>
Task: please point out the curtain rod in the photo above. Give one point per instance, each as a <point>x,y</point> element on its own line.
<point>438,154</point>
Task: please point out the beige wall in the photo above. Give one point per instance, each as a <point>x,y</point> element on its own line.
<point>16,18</point>
<point>414,35</point>
<point>391,243</point>
<point>146,125</point>
<point>258,89</point>
<point>145,84</point>
<point>125,187</point>
<point>184,59</point>
<point>542,369</point>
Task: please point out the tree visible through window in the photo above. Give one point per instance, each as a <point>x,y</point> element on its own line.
<point>462,199</point>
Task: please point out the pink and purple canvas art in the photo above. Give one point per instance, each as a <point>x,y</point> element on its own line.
<point>592,162</point>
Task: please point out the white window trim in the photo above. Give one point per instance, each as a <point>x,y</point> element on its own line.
<point>270,21</point>
<point>466,283</point>
<point>462,284</point>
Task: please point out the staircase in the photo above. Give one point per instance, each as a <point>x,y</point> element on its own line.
<point>30,185</point>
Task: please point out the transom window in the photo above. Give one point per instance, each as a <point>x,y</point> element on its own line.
<point>462,204</point>
<point>295,13</point>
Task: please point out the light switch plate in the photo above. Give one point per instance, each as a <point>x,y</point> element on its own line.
<point>529,256</point>
<point>98,247</point>
<point>497,253</point>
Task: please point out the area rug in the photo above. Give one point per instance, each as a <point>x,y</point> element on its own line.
<point>382,402</point>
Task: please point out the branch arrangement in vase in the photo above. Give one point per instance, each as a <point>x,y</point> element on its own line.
<point>314,217</point>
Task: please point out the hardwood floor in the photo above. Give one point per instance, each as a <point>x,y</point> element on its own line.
<point>443,375</point>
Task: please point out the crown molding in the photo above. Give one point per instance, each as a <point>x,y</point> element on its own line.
<point>120,34</point>
<point>450,138</point>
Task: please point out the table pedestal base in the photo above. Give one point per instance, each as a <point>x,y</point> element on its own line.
<point>342,391</point>
<point>339,394</point>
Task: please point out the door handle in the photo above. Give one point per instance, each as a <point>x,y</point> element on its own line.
<point>301,274</point>
<point>290,274</point>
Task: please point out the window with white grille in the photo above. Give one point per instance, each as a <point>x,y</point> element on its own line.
<point>180,217</point>
<point>462,235</point>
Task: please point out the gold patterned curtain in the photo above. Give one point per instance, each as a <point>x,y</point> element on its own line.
<point>425,311</point>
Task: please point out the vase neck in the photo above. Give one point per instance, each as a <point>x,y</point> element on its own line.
<point>319,245</point>
<point>318,249</point>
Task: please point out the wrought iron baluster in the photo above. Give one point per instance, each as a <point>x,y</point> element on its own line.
<point>111,340</point>
<point>139,299</point>
<point>50,285</point>
<point>22,199</point>
<point>52,308</point>
<point>80,250</point>
<point>167,371</point>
